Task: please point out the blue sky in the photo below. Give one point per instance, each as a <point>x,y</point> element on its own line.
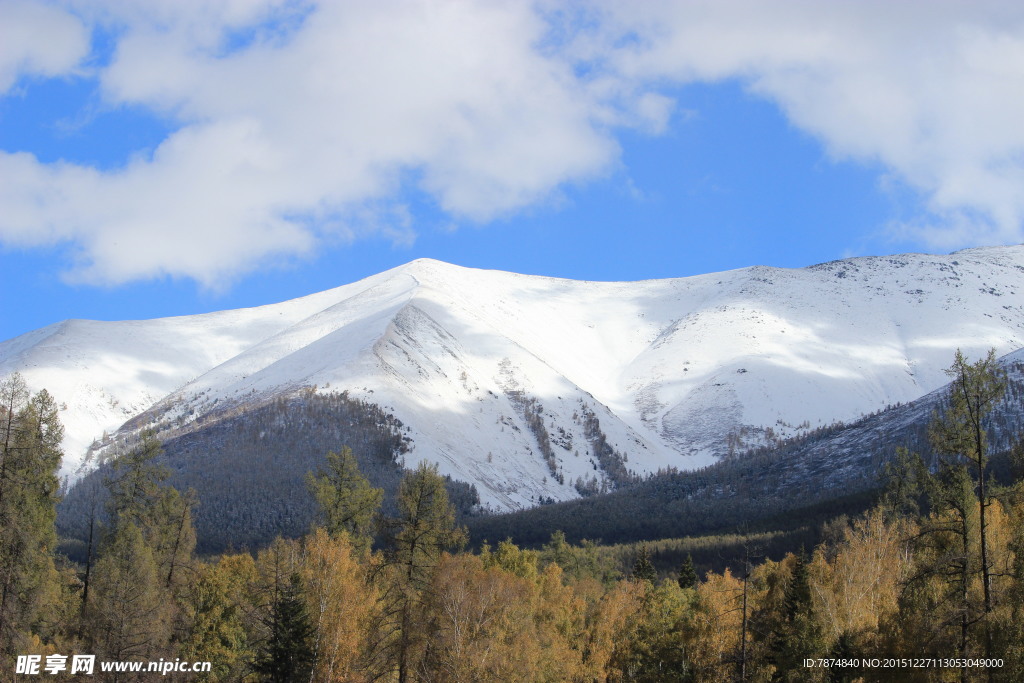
<point>180,157</point>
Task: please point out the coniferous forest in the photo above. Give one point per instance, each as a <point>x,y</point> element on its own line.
<point>920,579</point>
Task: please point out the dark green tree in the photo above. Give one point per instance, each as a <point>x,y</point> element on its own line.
<point>643,570</point>
<point>799,635</point>
<point>798,591</point>
<point>287,655</point>
<point>945,551</point>
<point>347,501</point>
<point>687,574</point>
<point>173,538</point>
<point>139,503</point>
<point>907,485</point>
<point>425,526</point>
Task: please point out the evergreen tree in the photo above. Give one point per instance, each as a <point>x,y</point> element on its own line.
<point>845,649</point>
<point>161,517</point>
<point>163,514</point>
<point>800,636</point>
<point>347,501</point>
<point>174,538</point>
<point>907,485</point>
<point>941,589</point>
<point>558,551</point>
<point>643,570</point>
<point>798,592</point>
<point>425,525</point>
<point>287,655</point>
<point>687,574</point>
<point>92,540</point>
<point>30,436</point>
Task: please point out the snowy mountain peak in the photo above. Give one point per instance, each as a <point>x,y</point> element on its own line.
<point>531,387</point>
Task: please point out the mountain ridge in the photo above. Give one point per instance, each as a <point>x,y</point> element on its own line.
<point>495,373</point>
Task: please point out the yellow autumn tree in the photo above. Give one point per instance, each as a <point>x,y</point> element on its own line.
<point>861,585</point>
<point>559,623</point>
<point>481,624</point>
<point>340,604</point>
<point>712,633</point>
<point>612,622</point>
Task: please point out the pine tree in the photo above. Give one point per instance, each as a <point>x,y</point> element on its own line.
<point>907,484</point>
<point>287,656</point>
<point>139,505</point>
<point>687,574</point>
<point>798,592</point>
<point>173,538</point>
<point>217,614</point>
<point>30,437</point>
<point>643,570</point>
<point>163,514</point>
<point>425,525</point>
<point>347,501</point>
<point>800,636</point>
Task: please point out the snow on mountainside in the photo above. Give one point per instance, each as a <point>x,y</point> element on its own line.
<point>526,385</point>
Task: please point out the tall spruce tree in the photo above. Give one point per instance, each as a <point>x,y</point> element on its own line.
<point>139,506</point>
<point>799,636</point>
<point>687,574</point>
<point>173,538</point>
<point>287,655</point>
<point>30,437</point>
<point>798,590</point>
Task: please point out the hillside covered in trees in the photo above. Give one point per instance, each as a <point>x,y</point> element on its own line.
<point>248,469</point>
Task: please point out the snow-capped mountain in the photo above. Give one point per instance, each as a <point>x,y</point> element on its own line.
<point>526,385</point>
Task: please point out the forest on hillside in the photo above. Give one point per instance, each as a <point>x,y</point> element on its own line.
<point>926,584</point>
<point>248,470</point>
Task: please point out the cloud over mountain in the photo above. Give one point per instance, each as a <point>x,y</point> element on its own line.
<point>294,124</point>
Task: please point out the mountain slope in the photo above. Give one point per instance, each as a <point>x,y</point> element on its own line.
<point>535,388</point>
<point>835,470</point>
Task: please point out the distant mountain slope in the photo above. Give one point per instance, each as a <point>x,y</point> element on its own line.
<point>534,388</point>
<point>832,471</point>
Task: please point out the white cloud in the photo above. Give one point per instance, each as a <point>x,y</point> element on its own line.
<point>933,91</point>
<point>280,137</point>
<point>38,40</point>
<point>301,122</point>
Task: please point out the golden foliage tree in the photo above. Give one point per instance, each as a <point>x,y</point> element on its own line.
<point>341,605</point>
